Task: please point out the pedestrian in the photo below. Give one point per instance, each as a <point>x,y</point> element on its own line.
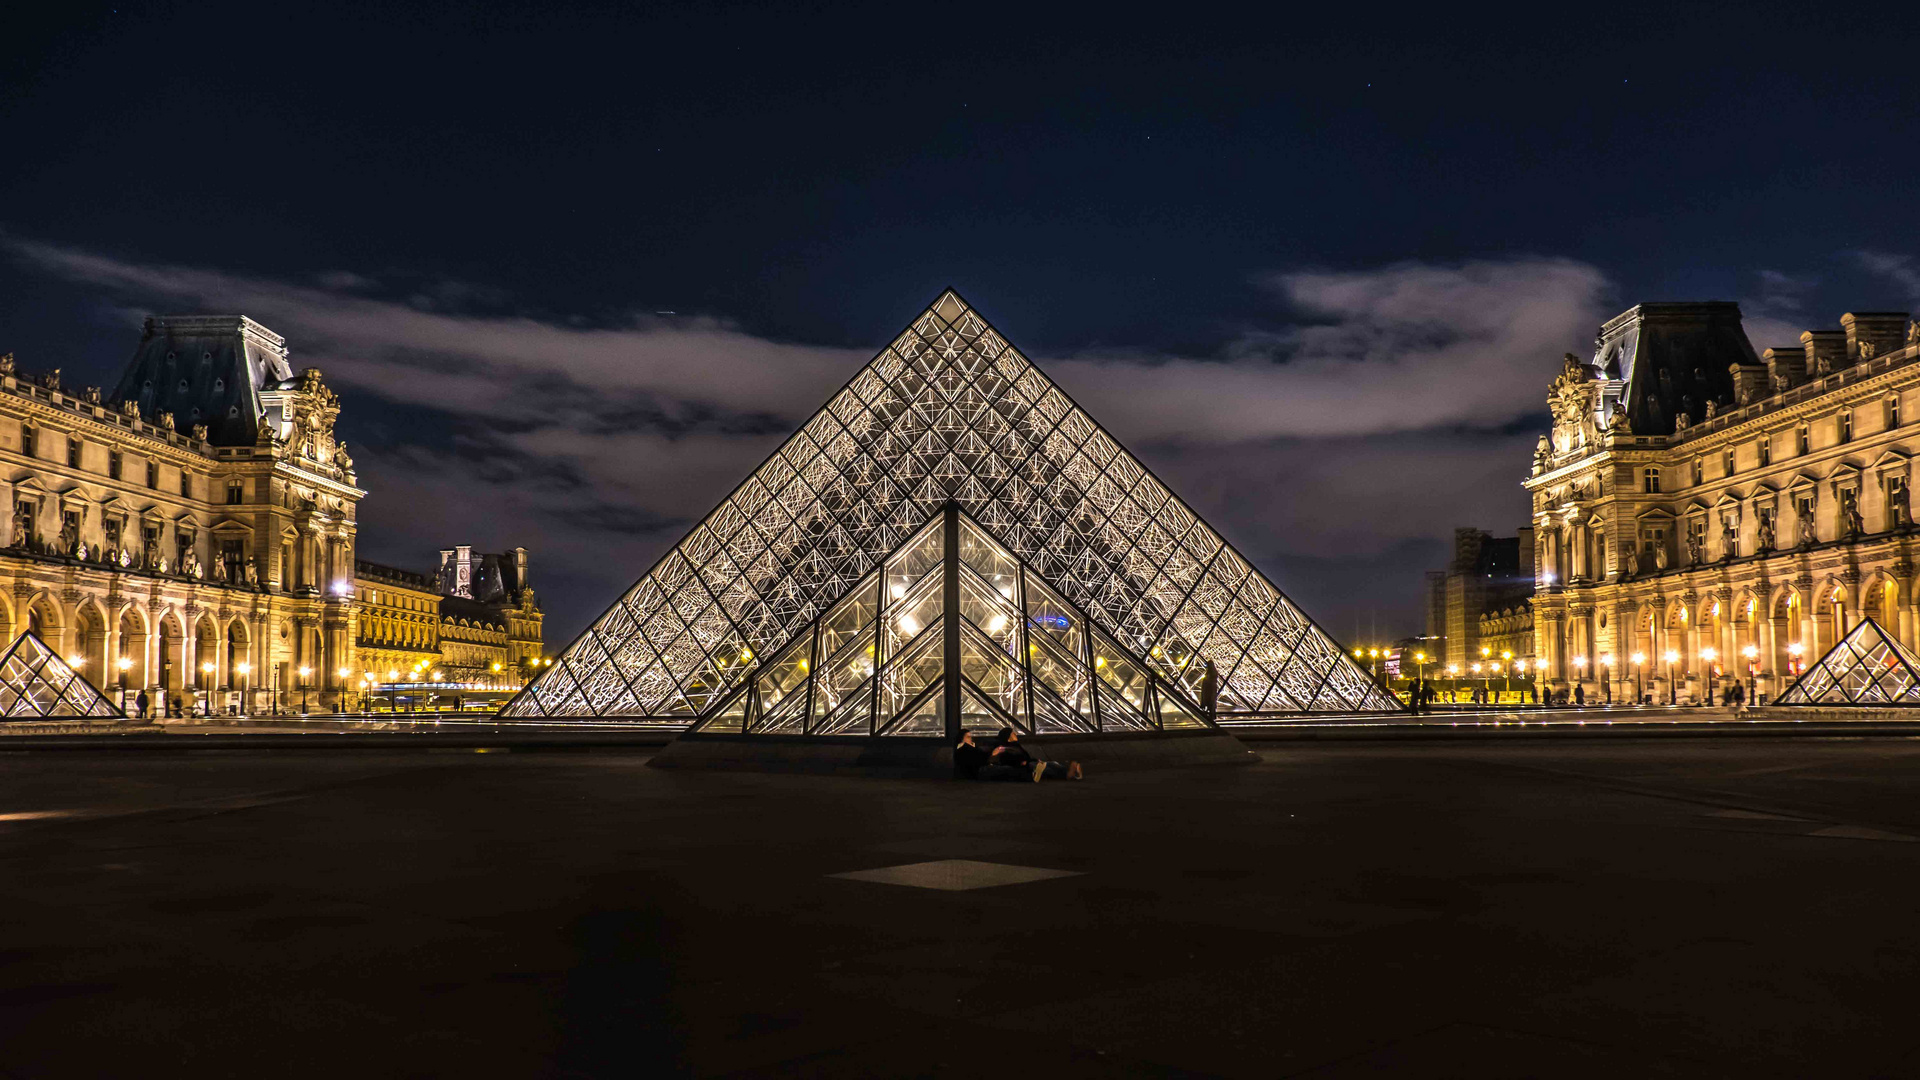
<point>1579,696</point>
<point>140,705</point>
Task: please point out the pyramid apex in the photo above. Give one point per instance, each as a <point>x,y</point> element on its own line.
<point>950,306</point>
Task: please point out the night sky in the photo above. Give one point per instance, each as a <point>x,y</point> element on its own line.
<point>576,268</point>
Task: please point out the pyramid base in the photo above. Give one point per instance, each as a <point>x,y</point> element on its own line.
<point>933,758</point>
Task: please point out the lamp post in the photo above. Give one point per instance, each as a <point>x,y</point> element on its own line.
<point>1671,658</point>
<point>304,672</point>
<point>243,669</point>
<point>1639,688</point>
<point>206,688</point>
<point>123,664</point>
<point>1794,652</point>
<point>1752,653</point>
<point>393,692</point>
<point>1606,672</point>
<point>1453,677</point>
<point>346,687</point>
<point>1707,656</point>
<point>1506,673</point>
<point>1579,671</point>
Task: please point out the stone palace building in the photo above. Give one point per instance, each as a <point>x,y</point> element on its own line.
<point>190,533</point>
<point>1705,514</point>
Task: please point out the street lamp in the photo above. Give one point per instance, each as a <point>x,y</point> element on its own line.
<point>1580,673</point>
<point>1752,653</point>
<point>1708,655</point>
<point>1639,689</point>
<point>1606,672</point>
<point>1794,652</point>
<point>243,669</point>
<point>123,664</point>
<point>1672,658</point>
<point>1453,678</point>
<point>304,672</point>
<point>1506,676</point>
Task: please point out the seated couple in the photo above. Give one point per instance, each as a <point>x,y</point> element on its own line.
<point>1006,759</point>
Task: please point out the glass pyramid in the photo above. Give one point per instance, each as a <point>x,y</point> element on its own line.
<point>952,599</point>
<point>1867,667</point>
<point>36,684</point>
<point>949,412</point>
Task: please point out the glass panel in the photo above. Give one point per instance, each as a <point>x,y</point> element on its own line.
<point>1054,670</point>
<point>919,610</point>
<point>852,668</point>
<point>789,719</point>
<point>912,673</point>
<point>982,719</point>
<point>1118,713</point>
<point>1051,714</point>
<point>1174,715</point>
<point>991,670</point>
<point>928,717</point>
<point>988,559</point>
<point>785,675</point>
<point>989,612</point>
<point>1119,672</point>
<point>731,718</point>
<point>915,561</point>
<point>850,617</point>
<point>851,718</point>
<point>1051,617</point>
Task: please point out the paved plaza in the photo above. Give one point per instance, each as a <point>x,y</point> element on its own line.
<point>1489,909</point>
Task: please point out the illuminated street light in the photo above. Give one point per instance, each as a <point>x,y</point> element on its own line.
<point>1671,658</point>
<point>1639,688</point>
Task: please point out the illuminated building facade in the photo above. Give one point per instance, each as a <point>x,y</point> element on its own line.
<point>1706,514</point>
<point>947,416</point>
<point>189,533</point>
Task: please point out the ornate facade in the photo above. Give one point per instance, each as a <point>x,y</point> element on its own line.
<point>189,534</point>
<point>473,624</point>
<point>1706,514</point>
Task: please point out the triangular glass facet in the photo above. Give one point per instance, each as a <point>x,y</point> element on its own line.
<point>35,684</point>
<point>949,413</point>
<point>1866,667</point>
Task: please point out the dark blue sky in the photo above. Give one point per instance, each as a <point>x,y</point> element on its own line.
<point>1380,226</point>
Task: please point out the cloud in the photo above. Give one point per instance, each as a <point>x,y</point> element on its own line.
<point>1405,348</point>
<point>1379,415</point>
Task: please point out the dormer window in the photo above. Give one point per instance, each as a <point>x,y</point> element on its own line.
<point>206,356</point>
<point>233,412</point>
<point>183,386</point>
<point>219,385</point>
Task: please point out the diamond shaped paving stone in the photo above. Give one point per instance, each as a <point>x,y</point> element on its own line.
<point>955,875</point>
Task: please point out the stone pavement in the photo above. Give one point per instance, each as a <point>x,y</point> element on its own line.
<point>1684,908</point>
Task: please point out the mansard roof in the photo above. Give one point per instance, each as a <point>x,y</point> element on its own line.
<point>1673,358</point>
<point>206,369</point>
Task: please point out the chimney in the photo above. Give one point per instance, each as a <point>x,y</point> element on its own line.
<point>1786,367</point>
<point>1749,382</point>
<point>1826,351</point>
<point>1873,333</point>
<point>519,568</point>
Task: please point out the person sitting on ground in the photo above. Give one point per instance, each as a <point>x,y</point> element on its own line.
<point>1008,751</point>
<point>972,762</point>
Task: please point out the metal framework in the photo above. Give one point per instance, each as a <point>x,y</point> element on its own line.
<point>949,412</point>
<point>952,600</point>
<point>1866,667</point>
<point>35,684</point>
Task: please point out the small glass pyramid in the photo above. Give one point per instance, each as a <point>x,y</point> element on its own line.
<point>952,599</point>
<point>1866,667</point>
<point>35,684</point>
<point>949,412</point>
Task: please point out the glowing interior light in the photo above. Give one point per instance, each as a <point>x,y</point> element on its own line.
<point>909,625</point>
<point>898,591</point>
<point>996,624</point>
<point>76,661</point>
